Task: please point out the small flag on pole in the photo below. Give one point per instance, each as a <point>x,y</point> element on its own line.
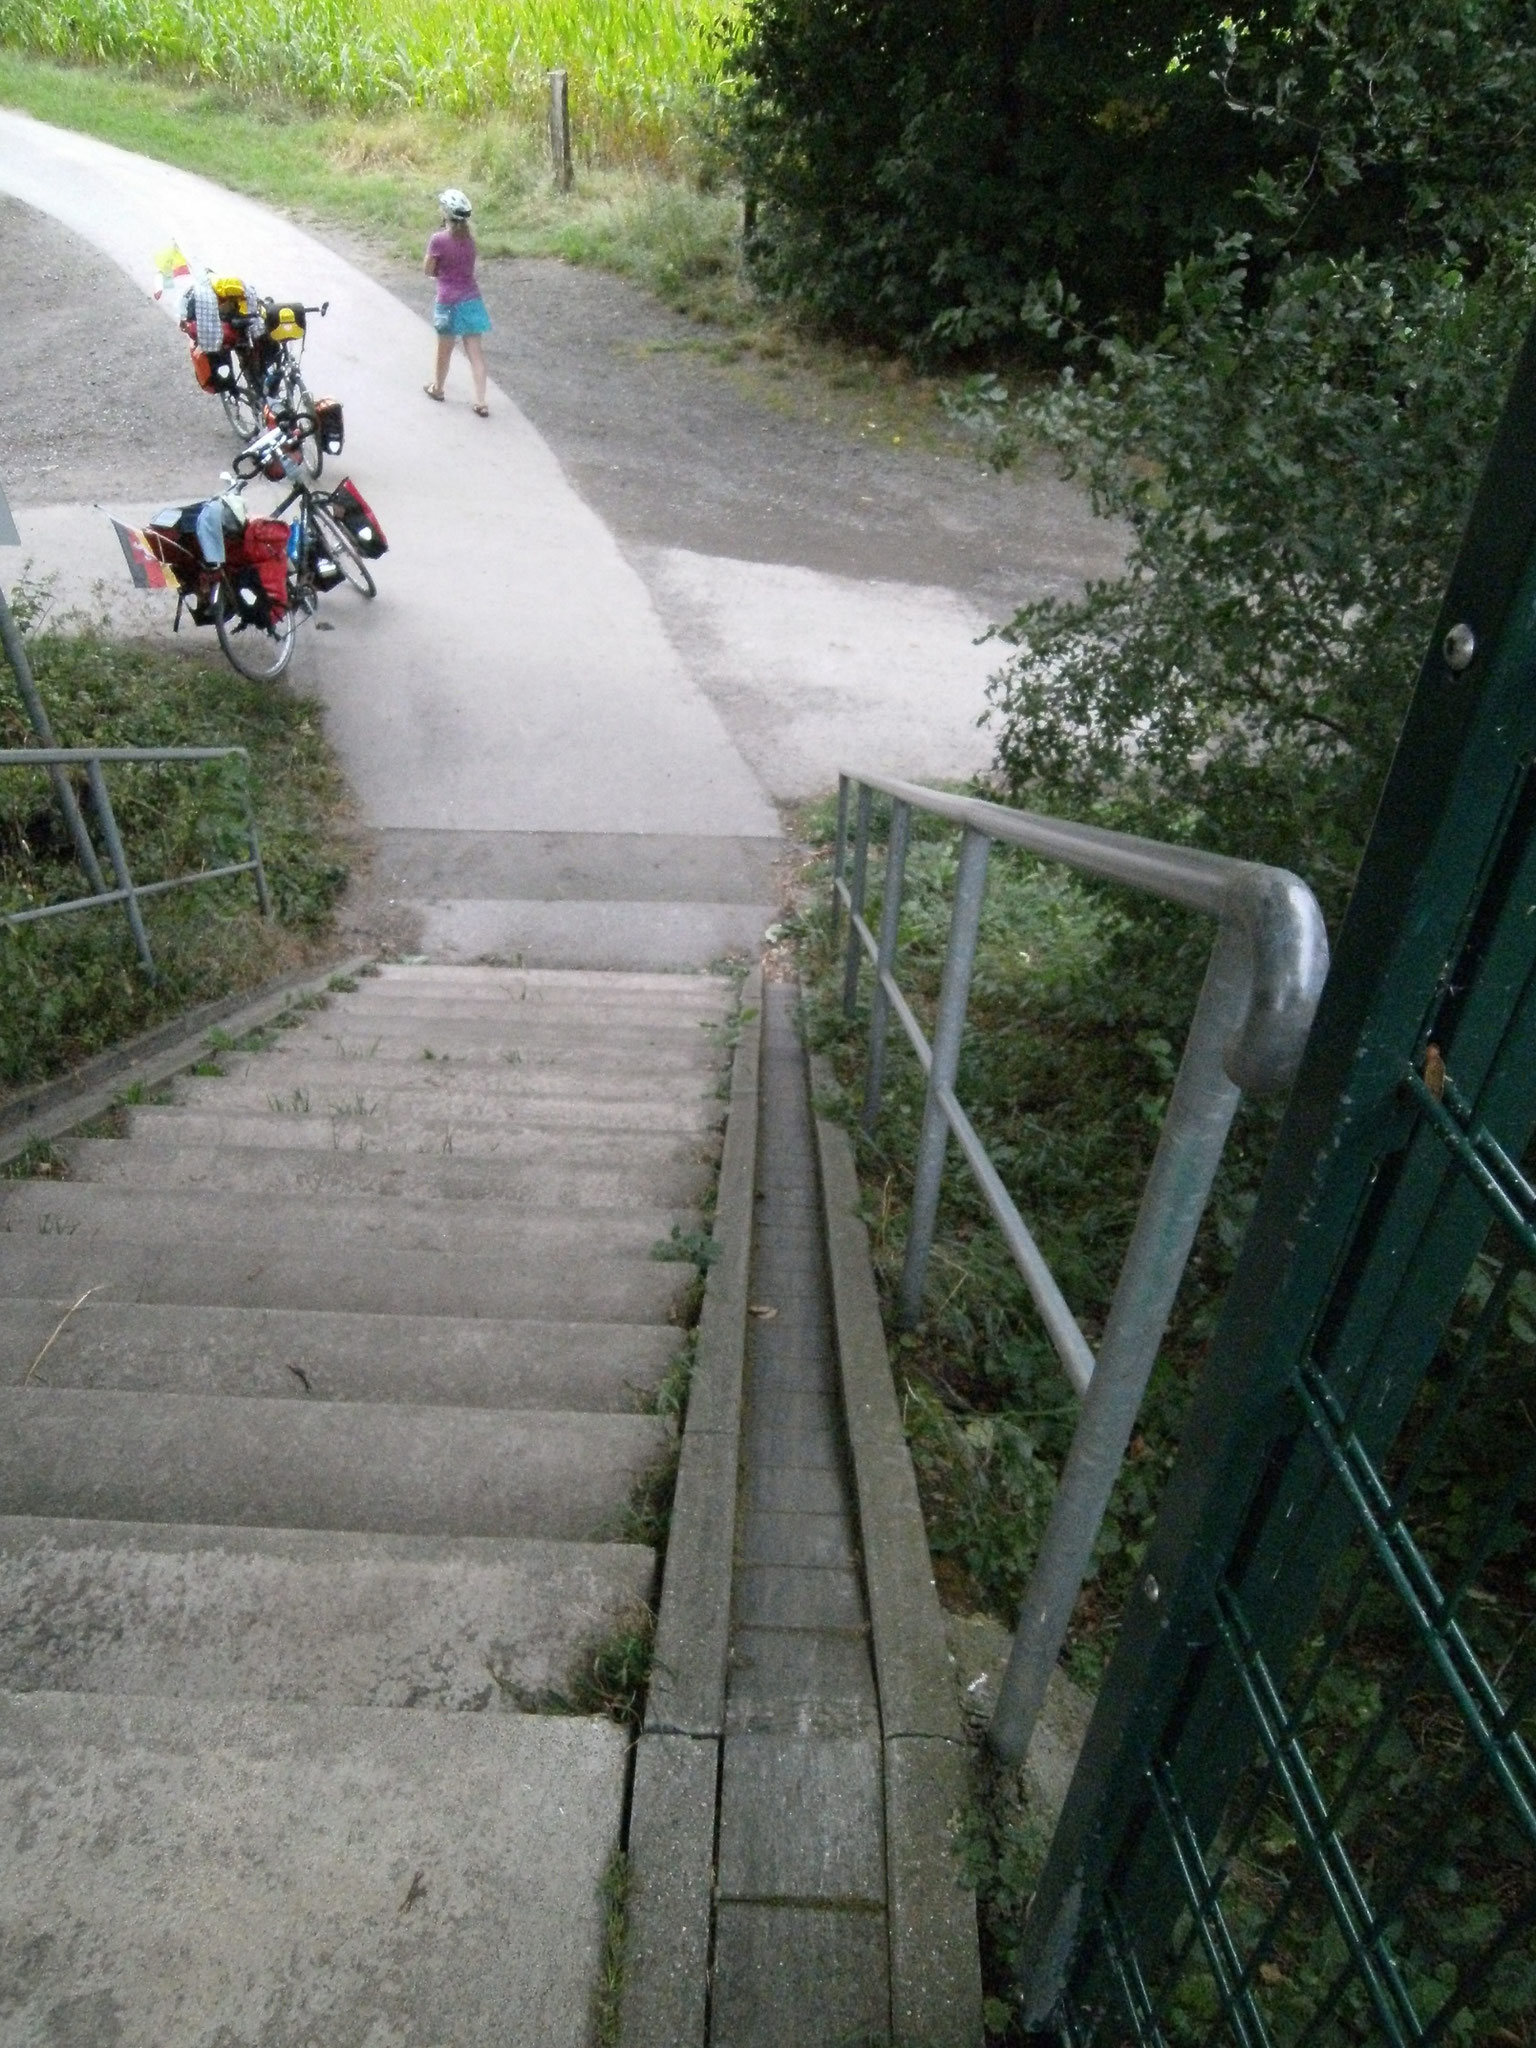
<point>144,565</point>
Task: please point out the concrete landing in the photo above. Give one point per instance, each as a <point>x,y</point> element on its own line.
<point>284,1877</point>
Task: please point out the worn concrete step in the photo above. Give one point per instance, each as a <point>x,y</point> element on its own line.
<point>371,1278</point>
<point>398,1469</point>
<point>321,1355</point>
<point>84,1212</point>
<point>308,1171</point>
<point>488,1018</point>
<point>358,1111</point>
<point>534,984</point>
<point>565,1042</point>
<point>501,1140</point>
<point>181,1872</point>
<point>270,1083</point>
<point>337,1619</point>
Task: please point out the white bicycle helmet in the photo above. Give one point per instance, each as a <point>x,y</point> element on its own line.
<point>454,203</point>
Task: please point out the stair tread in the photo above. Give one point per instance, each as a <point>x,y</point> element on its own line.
<point>337,1618</point>
<point>325,1354</point>
<point>291,1875</point>
<point>68,1452</point>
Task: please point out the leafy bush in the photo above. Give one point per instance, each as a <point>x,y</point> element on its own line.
<point>1295,478</point>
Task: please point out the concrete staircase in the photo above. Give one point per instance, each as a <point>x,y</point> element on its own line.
<point>318,1494</point>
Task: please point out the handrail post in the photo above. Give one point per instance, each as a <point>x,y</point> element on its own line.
<point>839,856</point>
<point>890,925</point>
<point>16,655</point>
<point>119,859</point>
<point>263,895</point>
<point>948,1031</point>
<point>856,900</point>
<point>1178,1187</point>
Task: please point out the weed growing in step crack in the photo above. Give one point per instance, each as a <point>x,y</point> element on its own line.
<point>37,1160</point>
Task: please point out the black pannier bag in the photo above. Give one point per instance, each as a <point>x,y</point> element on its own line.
<point>328,425</point>
<point>356,515</point>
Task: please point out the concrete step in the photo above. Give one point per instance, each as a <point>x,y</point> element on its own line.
<point>69,1452</point>
<point>487,1048</point>
<point>320,1355</point>
<point>549,1139</point>
<point>85,1213</point>
<point>361,1112</point>
<point>536,984</point>
<point>370,1278</point>
<point>357,1089</point>
<point>181,1872</point>
<point>330,1619</point>
<point>301,1171</point>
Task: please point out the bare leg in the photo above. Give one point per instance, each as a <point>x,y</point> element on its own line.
<point>444,357</point>
<point>476,356</point>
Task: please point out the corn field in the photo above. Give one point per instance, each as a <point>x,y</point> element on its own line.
<point>635,65</point>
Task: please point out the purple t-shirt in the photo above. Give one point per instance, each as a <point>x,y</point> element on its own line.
<point>455,267</point>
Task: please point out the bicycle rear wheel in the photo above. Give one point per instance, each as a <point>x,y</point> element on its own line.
<point>260,653</point>
<point>242,401</point>
<point>339,544</point>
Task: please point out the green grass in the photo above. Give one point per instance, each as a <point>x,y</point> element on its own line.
<point>72,986</point>
<point>636,66</point>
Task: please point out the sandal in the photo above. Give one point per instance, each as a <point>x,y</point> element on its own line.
<point>483,411</point>
<point>433,391</point>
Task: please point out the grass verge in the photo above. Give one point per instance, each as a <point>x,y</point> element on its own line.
<point>72,986</point>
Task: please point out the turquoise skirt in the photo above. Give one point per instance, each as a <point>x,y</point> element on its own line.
<point>467,317</point>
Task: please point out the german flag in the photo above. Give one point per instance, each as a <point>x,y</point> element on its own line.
<point>144,565</point>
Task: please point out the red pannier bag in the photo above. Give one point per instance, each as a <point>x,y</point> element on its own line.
<point>262,546</point>
<point>356,515</point>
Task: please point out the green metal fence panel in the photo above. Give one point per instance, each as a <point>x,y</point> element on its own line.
<point>1306,1808</point>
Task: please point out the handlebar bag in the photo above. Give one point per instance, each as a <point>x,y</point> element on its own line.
<point>356,515</point>
<point>283,320</point>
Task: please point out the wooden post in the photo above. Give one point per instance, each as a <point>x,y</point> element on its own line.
<point>560,130</point>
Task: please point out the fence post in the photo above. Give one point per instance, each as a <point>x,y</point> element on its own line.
<point>119,859</point>
<point>885,961</point>
<point>856,902</point>
<point>560,130</point>
<point>1195,1126</point>
<point>16,654</point>
<point>948,1030</point>
<point>839,856</point>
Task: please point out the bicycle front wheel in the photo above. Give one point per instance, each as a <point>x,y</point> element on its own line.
<point>260,653</point>
<point>339,544</point>
<point>297,400</point>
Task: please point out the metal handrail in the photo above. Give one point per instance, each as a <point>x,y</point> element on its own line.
<point>1261,987</point>
<point>128,892</point>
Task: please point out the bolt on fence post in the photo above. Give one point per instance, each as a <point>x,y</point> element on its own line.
<point>119,859</point>
<point>1199,1114</point>
<point>64,795</point>
<point>885,960</point>
<point>948,1030</point>
<point>856,903</point>
<point>560,130</point>
<point>839,856</point>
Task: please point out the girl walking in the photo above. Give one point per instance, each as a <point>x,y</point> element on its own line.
<point>459,314</point>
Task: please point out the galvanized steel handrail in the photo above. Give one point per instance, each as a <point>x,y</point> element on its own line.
<point>1261,987</point>
<point>128,892</point>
